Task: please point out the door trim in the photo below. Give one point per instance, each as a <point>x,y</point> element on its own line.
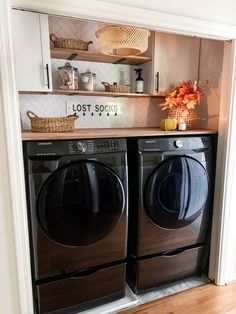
<point>223,204</point>
<point>101,11</point>
<point>11,144</point>
<point>14,189</point>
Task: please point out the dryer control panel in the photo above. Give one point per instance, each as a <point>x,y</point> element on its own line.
<point>174,144</point>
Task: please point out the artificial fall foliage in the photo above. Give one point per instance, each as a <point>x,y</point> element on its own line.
<point>184,97</point>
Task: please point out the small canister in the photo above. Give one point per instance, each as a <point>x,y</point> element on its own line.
<point>87,81</point>
<point>68,77</point>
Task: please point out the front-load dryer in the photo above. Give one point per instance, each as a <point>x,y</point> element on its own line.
<point>170,205</point>
<point>77,210</point>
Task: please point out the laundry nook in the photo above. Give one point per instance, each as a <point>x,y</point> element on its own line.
<point>121,135</point>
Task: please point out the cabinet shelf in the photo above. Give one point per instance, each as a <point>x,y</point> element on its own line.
<point>94,93</point>
<point>69,54</point>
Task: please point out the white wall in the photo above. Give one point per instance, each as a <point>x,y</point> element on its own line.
<point>148,14</point>
<point>9,299</point>
<point>212,10</point>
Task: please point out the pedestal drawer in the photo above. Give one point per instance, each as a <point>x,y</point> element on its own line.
<point>87,290</point>
<point>168,267</point>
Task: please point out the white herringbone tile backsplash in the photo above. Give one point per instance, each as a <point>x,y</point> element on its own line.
<point>132,112</point>
<point>105,72</point>
<point>74,29</point>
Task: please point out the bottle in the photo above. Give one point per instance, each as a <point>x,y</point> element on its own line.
<point>139,82</point>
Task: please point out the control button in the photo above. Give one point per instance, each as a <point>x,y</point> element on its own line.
<point>81,147</point>
<point>178,143</point>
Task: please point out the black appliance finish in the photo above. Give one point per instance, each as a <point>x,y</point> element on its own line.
<point>170,203</point>
<point>77,209</point>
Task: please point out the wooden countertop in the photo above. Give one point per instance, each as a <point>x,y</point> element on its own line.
<point>110,133</point>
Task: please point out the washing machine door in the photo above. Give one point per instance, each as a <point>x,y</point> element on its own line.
<point>80,203</point>
<point>176,192</point>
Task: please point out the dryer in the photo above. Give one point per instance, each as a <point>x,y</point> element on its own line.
<point>170,206</point>
<point>77,212</point>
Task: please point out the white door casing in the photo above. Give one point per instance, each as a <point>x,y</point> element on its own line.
<point>221,243</point>
<point>15,284</point>
<point>12,136</point>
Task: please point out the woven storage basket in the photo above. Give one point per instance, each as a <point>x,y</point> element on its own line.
<point>116,88</point>
<point>51,125</point>
<point>190,119</point>
<point>122,40</point>
<point>65,43</point>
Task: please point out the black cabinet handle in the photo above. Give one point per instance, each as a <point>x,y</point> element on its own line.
<point>157,82</point>
<point>47,71</point>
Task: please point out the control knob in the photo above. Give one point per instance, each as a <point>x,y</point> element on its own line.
<point>81,147</point>
<point>178,143</point>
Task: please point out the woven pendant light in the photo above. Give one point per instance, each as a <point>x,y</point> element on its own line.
<point>117,40</point>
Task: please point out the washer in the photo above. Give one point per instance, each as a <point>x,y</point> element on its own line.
<point>77,213</point>
<point>170,204</point>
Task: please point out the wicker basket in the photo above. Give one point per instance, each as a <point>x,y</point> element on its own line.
<point>190,119</point>
<point>51,125</point>
<point>116,88</point>
<point>77,44</point>
<point>122,40</point>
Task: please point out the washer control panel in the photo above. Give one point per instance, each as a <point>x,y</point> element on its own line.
<point>74,147</point>
<point>96,146</point>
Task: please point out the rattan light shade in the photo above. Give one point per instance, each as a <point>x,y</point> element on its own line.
<point>122,41</point>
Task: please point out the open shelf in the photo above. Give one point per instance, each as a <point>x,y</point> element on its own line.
<point>110,133</point>
<point>97,93</point>
<point>69,54</point>
<point>94,93</point>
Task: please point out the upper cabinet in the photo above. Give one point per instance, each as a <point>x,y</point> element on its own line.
<point>174,58</point>
<point>31,51</point>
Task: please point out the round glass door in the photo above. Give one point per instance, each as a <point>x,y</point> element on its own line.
<point>176,192</point>
<point>80,203</point>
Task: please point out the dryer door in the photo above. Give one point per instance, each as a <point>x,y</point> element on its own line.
<point>176,192</point>
<point>80,203</point>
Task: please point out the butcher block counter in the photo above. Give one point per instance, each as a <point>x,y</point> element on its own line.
<point>110,133</point>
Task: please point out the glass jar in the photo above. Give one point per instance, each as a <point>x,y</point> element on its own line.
<point>68,77</point>
<point>87,81</point>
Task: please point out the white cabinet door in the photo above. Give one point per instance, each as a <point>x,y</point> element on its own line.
<point>31,51</point>
<point>176,58</point>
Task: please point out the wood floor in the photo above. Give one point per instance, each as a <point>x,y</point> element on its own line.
<point>206,299</point>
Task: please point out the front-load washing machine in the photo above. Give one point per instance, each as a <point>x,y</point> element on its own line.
<point>170,206</point>
<point>77,210</point>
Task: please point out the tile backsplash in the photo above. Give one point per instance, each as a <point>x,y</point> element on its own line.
<point>94,112</point>
<point>105,72</point>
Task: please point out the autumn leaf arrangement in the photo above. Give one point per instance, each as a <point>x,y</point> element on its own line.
<point>185,97</point>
